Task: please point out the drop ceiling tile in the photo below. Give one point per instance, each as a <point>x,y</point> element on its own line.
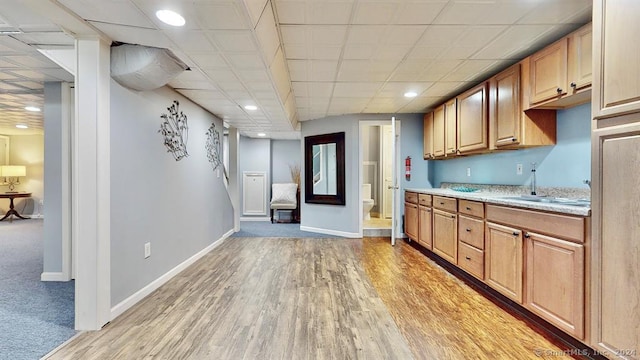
<point>148,37</point>
<point>314,12</point>
<point>470,70</point>
<point>208,60</point>
<point>397,89</point>
<point>511,42</point>
<point>356,89</point>
<point>485,12</point>
<point>359,52</point>
<point>375,13</point>
<point>441,35</point>
<point>418,12</point>
<point>267,35</point>
<point>234,40</point>
<point>254,76</point>
<point>366,34</point>
<point>115,12</point>
<point>425,53</point>
<point>246,60</point>
<point>191,40</point>
<point>312,70</point>
<point>458,52</point>
<point>443,88</point>
<point>212,16</point>
<point>255,9</point>
<point>391,52</point>
<point>280,75</point>
<point>403,35</point>
<point>438,69</point>
<point>566,11</point>
<point>45,38</point>
<point>363,70</point>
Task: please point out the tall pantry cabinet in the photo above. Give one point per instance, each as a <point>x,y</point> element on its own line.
<point>615,271</point>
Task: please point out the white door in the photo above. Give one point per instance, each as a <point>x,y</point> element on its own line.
<point>387,171</point>
<point>254,193</point>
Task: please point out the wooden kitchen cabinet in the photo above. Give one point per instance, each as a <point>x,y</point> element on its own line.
<point>438,132</point>
<point>445,235</point>
<point>555,281</point>
<point>411,217</point>
<point>503,260</point>
<point>425,234</point>
<point>427,141</point>
<point>510,126</point>
<point>472,120</point>
<point>561,73</point>
<point>616,52</point>
<point>616,247</point>
<point>451,128</point>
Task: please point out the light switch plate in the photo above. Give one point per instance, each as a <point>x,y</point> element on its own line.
<point>147,250</point>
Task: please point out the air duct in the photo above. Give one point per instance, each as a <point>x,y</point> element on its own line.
<point>141,67</point>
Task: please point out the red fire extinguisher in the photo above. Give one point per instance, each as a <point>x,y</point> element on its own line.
<point>407,168</point>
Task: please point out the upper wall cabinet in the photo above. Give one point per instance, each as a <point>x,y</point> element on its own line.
<point>450,128</point>
<point>428,136</point>
<point>510,126</point>
<point>615,33</point>
<point>561,72</point>
<point>438,132</point>
<point>472,120</point>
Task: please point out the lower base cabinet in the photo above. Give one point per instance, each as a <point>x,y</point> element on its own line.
<point>555,281</point>
<point>425,234</point>
<point>411,220</point>
<point>503,260</point>
<point>445,235</point>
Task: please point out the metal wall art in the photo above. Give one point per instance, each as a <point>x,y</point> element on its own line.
<point>214,147</point>
<point>175,131</point>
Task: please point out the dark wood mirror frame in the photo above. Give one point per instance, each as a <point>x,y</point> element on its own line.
<point>309,142</point>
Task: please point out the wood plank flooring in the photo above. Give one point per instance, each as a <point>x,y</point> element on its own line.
<point>276,298</point>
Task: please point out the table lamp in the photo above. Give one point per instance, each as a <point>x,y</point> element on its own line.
<point>12,174</point>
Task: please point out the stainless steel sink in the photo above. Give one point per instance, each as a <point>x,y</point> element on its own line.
<point>551,200</point>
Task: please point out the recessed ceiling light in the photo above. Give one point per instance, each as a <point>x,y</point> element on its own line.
<point>170,17</point>
<point>262,134</point>
<point>410,94</point>
<point>251,107</point>
<point>22,126</point>
<point>32,108</point>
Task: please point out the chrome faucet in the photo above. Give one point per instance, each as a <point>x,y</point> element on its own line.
<point>533,178</point>
<point>588,182</point>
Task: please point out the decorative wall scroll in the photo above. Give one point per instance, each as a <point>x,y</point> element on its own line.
<point>214,147</point>
<point>175,131</point>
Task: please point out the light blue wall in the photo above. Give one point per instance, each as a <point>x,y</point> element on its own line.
<point>566,164</point>
<point>283,154</point>
<point>346,218</point>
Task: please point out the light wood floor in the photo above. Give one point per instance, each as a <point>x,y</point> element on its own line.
<point>275,298</point>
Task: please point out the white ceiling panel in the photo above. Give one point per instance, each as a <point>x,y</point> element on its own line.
<point>301,59</point>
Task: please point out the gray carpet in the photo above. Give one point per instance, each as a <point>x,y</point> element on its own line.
<point>267,229</point>
<point>35,316</point>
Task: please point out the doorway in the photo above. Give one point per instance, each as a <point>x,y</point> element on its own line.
<point>376,177</point>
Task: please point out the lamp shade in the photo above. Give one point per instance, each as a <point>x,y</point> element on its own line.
<point>13,170</point>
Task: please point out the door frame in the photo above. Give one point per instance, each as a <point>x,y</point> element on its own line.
<point>377,122</point>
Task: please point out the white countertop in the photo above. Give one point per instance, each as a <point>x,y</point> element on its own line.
<point>506,199</point>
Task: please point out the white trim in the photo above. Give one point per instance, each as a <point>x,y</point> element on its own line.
<point>36,216</point>
<point>255,218</point>
<point>154,285</point>
<point>331,232</point>
<point>52,352</point>
<point>257,174</point>
<point>54,276</point>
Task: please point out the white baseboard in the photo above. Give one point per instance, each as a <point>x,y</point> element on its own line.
<point>330,232</point>
<point>261,218</point>
<point>53,276</point>
<point>142,293</point>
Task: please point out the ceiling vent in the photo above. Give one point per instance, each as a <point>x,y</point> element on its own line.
<point>141,67</point>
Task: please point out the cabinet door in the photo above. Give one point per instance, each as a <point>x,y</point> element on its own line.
<point>615,243</point>
<point>555,282</point>
<point>445,235</point>
<point>438,132</point>
<point>411,220</point>
<point>503,260</point>
<point>450,128</point>
<point>616,87</point>
<point>472,119</point>
<point>428,136</point>
<point>580,59</point>
<point>425,229</point>
<point>505,102</point>
<point>549,72</point>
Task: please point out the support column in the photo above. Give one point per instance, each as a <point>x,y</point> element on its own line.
<point>234,175</point>
<point>91,222</point>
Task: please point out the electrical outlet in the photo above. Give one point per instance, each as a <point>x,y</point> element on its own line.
<point>147,250</point>
<point>518,169</point>
<point>469,171</point>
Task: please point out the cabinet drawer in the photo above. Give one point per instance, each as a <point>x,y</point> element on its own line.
<point>445,203</point>
<point>472,208</point>
<point>424,199</point>
<point>411,197</point>
<point>471,260</point>
<point>471,231</point>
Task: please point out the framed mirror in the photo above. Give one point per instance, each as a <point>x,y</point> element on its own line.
<point>324,169</point>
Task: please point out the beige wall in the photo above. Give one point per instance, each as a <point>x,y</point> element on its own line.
<point>27,150</point>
